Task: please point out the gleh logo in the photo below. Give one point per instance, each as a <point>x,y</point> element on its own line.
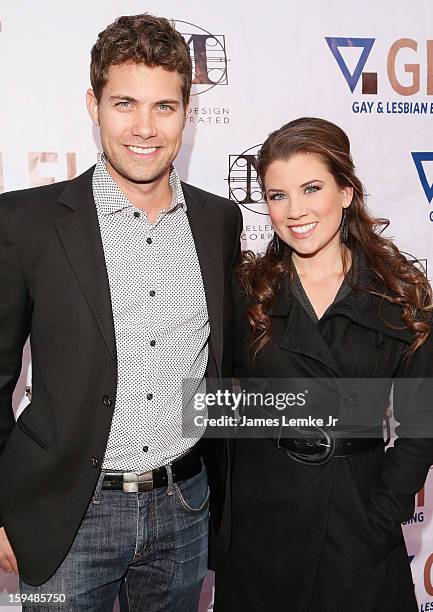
<point>244,187</point>
<point>208,55</point>
<point>369,79</point>
<point>419,159</point>
<point>406,67</point>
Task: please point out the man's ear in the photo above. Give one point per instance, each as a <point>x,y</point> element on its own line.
<point>92,106</point>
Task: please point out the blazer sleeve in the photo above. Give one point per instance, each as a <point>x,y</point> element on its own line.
<point>15,315</point>
<point>241,329</point>
<point>236,254</point>
<point>406,465</point>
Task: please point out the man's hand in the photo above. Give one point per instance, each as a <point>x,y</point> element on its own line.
<point>8,563</point>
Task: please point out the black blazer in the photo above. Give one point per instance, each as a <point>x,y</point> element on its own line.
<point>54,286</point>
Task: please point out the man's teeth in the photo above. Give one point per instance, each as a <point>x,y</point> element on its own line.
<point>303,229</point>
<point>142,150</point>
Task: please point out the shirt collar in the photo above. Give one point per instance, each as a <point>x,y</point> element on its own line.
<point>109,198</point>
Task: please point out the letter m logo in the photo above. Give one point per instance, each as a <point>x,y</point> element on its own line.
<point>209,59</point>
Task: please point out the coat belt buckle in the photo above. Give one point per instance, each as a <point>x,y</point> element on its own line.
<point>133,483</point>
<point>325,444</point>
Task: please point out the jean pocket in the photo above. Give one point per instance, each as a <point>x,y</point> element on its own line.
<point>193,494</point>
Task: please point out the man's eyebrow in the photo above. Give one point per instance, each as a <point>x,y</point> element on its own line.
<point>130,99</point>
<point>120,97</point>
<point>173,101</point>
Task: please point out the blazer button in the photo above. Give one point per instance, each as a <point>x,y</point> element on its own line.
<point>95,462</point>
<point>350,400</point>
<point>107,400</point>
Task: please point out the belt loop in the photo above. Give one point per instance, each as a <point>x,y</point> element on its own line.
<point>170,488</point>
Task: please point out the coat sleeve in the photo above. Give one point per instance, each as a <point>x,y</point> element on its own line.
<point>15,314</point>
<point>406,465</point>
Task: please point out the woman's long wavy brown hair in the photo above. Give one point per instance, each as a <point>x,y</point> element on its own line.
<point>400,281</point>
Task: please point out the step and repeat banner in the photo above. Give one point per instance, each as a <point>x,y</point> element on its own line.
<point>366,66</point>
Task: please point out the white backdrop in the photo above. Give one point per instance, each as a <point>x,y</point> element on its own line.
<point>265,65</point>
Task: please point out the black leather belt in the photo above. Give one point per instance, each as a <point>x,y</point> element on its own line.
<point>185,467</point>
<point>322,447</point>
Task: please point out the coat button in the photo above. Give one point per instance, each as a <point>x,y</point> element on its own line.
<point>350,400</point>
<point>149,396</point>
<point>95,462</point>
<point>107,400</point>
<point>152,293</point>
<point>145,448</point>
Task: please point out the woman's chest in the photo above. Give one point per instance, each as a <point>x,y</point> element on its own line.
<point>334,347</point>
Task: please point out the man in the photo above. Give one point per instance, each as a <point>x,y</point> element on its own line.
<point>120,277</point>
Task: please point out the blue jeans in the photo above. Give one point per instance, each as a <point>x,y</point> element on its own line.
<point>148,547</point>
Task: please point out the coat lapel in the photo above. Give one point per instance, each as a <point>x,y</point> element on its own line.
<point>301,335</point>
<point>81,238</point>
<point>374,313</point>
<point>208,249</point>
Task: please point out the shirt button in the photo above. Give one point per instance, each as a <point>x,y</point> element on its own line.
<point>95,462</point>
<point>149,396</point>
<point>136,214</point>
<point>151,293</point>
<point>107,400</point>
<point>152,342</point>
<point>149,240</point>
<point>145,449</point>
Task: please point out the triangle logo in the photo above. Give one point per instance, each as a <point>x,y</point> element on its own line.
<point>418,159</point>
<point>366,44</point>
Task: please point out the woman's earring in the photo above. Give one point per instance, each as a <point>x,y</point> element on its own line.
<point>344,227</point>
<point>277,244</point>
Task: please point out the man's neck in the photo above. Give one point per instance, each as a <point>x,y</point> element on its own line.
<point>150,197</point>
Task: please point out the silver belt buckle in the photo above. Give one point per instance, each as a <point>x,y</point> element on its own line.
<point>133,483</point>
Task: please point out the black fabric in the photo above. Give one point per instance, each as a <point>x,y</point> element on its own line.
<point>305,537</point>
<point>299,293</point>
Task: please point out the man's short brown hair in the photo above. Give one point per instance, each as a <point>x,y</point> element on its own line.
<point>142,39</point>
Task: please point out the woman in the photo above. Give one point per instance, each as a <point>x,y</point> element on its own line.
<point>319,529</point>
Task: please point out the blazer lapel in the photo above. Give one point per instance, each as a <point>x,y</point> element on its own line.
<point>208,251</point>
<point>81,238</point>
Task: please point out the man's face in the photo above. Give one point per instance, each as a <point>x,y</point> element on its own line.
<point>141,117</point>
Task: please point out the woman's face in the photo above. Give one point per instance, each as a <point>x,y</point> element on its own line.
<point>305,203</point>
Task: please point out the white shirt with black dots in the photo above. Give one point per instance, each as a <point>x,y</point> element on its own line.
<point>160,319</point>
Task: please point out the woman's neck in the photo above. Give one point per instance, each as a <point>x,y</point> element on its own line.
<point>328,263</point>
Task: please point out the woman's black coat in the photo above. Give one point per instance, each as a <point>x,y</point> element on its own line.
<point>328,537</point>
